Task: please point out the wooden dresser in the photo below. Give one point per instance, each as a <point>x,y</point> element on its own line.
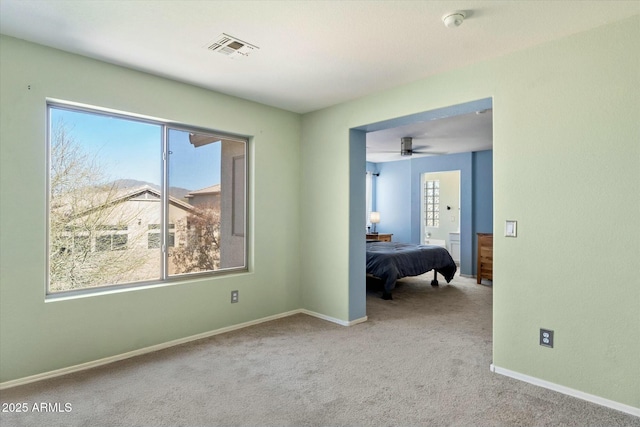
<point>381,237</point>
<point>485,257</point>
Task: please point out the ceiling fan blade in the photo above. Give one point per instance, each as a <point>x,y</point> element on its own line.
<point>435,153</point>
<point>424,149</point>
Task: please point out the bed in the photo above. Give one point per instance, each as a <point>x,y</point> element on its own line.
<point>390,261</point>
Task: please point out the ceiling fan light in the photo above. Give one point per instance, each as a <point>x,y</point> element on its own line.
<point>406,146</point>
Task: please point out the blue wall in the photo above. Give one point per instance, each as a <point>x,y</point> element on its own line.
<point>393,199</point>
<point>397,198</point>
<point>357,245</point>
<point>482,198</point>
<point>372,167</point>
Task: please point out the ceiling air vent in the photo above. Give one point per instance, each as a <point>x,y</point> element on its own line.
<point>232,47</point>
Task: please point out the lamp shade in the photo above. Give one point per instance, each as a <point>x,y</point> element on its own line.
<point>374,217</point>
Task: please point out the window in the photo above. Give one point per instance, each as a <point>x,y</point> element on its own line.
<point>432,203</point>
<point>154,240</point>
<point>369,198</point>
<point>136,201</point>
<point>112,239</point>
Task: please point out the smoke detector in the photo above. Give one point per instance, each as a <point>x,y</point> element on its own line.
<point>232,47</point>
<point>453,19</point>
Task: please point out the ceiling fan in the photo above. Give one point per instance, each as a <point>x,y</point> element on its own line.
<point>407,149</point>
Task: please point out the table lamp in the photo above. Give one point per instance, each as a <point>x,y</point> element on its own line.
<point>374,217</point>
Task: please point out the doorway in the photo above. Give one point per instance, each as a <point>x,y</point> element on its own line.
<point>406,224</point>
<point>440,211</point>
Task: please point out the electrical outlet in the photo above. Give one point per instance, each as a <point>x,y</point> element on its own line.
<point>234,296</point>
<point>546,338</point>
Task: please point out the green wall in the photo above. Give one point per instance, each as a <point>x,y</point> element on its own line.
<point>38,336</point>
<point>566,157</point>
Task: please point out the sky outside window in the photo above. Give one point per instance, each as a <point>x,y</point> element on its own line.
<point>129,149</point>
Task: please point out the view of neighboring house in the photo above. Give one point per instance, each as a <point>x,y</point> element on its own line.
<point>205,197</point>
<point>119,233</point>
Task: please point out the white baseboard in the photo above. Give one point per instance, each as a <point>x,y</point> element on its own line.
<point>566,390</point>
<point>153,348</point>
<point>333,319</point>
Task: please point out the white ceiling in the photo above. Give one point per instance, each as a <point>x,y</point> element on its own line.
<point>455,134</point>
<point>312,54</point>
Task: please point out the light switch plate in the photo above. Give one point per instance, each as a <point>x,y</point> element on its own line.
<point>511,228</point>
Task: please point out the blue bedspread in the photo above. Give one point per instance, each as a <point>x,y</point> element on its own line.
<point>391,261</point>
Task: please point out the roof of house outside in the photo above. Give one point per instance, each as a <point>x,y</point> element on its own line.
<point>121,195</point>
<point>207,190</point>
<point>133,192</point>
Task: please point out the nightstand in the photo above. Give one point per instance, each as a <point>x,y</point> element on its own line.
<point>380,237</point>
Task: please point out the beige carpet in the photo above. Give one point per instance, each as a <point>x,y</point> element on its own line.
<point>421,359</point>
